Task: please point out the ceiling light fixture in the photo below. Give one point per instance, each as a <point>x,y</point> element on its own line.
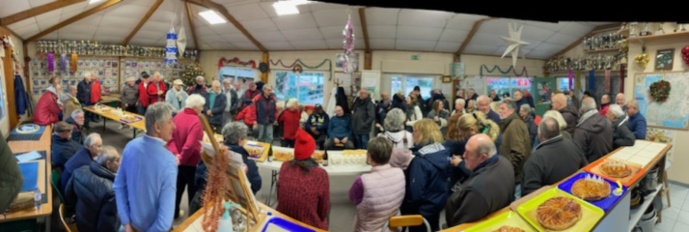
<point>288,7</point>
<point>94,1</point>
<point>212,17</point>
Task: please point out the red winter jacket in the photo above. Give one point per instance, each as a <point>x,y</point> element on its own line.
<point>152,90</point>
<point>143,95</point>
<point>185,139</point>
<point>289,119</point>
<point>95,91</point>
<point>47,109</point>
<point>248,114</point>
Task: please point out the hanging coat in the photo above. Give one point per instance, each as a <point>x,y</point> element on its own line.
<point>21,99</point>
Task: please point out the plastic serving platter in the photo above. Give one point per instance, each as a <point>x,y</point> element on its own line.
<point>509,218</point>
<point>280,224</point>
<point>590,213</point>
<point>637,171</point>
<point>606,203</point>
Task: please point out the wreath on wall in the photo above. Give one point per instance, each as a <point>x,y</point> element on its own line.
<point>660,90</point>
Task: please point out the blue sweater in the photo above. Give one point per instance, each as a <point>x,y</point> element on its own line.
<point>146,184</point>
<point>339,127</point>
<point>637,124</point>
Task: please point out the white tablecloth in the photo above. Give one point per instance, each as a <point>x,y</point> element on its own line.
<point>333,170</point>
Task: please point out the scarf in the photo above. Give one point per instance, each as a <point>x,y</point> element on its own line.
<point>586,116</point>
<point>178,94</point>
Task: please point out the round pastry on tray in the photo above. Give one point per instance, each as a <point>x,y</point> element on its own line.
<point>509,229</point>
<point>128,117</point>
<point>591,189</point>
<point>615,169</point>
<point>558,213</point>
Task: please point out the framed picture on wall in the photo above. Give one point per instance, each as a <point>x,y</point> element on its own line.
<point>664,59</point>
<point>447,79</point>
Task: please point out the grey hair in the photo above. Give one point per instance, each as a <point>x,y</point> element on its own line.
<point>156,113</point>
<point>557,116</point>
<point>394,120</point>
<point>226,80</point>
<point>268,86</point>
<point>509,103</point>
<point>194,100</point>
<point>488,147</point>
<point>232,132</point>
<point>76,112</point>
<point>86,74</point>
<point>525,107</point>
<point>633,103</point>
<point>549,128</point>
<point>616,110</point>
<point>72,87</point>
<point>131,79</point>
<point>484,97</point>
<point>214,82</point>
<point>588,104</point>
<point>91,139</point>
<point>473,101</point>
<point>200,78</point>
<point>461,101</point>
<point>108,153</point>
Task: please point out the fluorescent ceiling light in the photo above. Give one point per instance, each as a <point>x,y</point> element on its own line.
<point>212,17</point>
<point>94,1</point>
<point>285,8</point>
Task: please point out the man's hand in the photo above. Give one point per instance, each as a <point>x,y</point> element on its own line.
<point>345,140</point>
<point>160,92</point>
<point>313,130</point>
<point>179,158</point>
<point>209,113</point>
<point>336,140</point>
<point>379,127</point>
<point>128,228</point>
<point>455,160</point>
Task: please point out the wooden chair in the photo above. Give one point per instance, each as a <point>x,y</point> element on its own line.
<point>55,183</point>
<point>405,221</point>
<point>69,227</point>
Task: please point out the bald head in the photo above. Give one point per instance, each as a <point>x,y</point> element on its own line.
<point>548,129</point>
<point>619,99</point>
<point>559,101</point>
<point>483,144</point>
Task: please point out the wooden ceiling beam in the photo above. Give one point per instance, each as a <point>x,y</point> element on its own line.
<point>364,27</point>
<point>190,20</point>
<point>590,33</point>
<point>6,30</point>
<point>7,20</point>
<point>471,34</point>
<point>223,11</point>
<point>143,21</point>
<point>71,20</point>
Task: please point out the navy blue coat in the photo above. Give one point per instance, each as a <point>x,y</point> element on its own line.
<point>217,108</point>
<point>21,97</point>
<point>84,92</point>
<point>82,158</point>
<point>62,150</point>
<point>320,122</point>
<point>252,174</point>
<point>92,193</point>
<point>77,134</point>
<point>427,183</point>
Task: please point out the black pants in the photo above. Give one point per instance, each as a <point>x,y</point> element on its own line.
<point>185,178</point>
<point>88,116</point>
<point>287,143</point>
<point>132,109</point>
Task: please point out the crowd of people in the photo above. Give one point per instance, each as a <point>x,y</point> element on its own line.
<point>469,159</point>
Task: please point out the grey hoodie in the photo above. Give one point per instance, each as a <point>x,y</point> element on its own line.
<point>594,135</point>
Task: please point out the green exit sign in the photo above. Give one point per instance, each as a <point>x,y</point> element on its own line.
<point>414,57</point>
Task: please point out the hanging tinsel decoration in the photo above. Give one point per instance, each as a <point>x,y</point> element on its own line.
<point>51,62</point>
<point>570,76</point>
<point>348,32</point>
<point>642,58</point>
<point>73,64</point>
<point>171,47</point>
<point>63,63</point>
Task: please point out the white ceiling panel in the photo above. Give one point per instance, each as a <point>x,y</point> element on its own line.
<point>292,22</point>
<point>533,33</point>
<point>303,34</point>
<point>27,31</point>
<point>539,55</point>
<point>113,22</point>
<point>575,29</point>
<point>549,48</point>
<point>315,6</point>
<point>235,38</point>
<point>45,24</point>
<point>204,31</point>
<point>308,44</point>
<point>339,43</point>
<point>75,9</point>
<point>336,32</point>
<point>463,21</point>
<point>25,22</point>
<point>381,43</point>
<point>225,28</point>
<point>93,20</point>
<point>235,2</point>
<point>499,26</point>
<point>450,35</point>
<point>141,2</point>
<point>51,36</point>
<point>128,10</point>
<point>247,12</point>
<point>326,18</point>
<point>75,35</point>
<point>473,48</point>
<point>418,33</point>
<point>278,45</point>
<point>36,3</point>
<point>270,36</point>
<point>115,39</point>
<point>51,16</point>
<point>447,47</point>
<point>382,32</point>
<point>259,25</point>
<point>562,39</point>
<point>487,39</point>
<point>87,29</point>
<point>551,26</point>
<point>424,18</point>
<point>14,7</point>
<point>381,16</point>
<point>245,45</point>
<point>149,34</point>
<point>416,45</point>
<point>171,6</point>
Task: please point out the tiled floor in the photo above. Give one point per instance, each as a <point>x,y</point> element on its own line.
<point>676,217</point>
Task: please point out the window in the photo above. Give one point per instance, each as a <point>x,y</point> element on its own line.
<point>503,85</point>
<point>236,73</point>
<point>407,84</point>
<point>306,87</point>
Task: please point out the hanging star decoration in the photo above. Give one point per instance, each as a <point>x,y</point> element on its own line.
<point>515,43</point>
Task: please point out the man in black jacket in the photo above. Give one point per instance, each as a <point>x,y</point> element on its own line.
<point>623,136</point>
<point>382,108</point>
<point>84,96</point>
<point>594,132</point>
<point>90,189</point>
<point>363,115</point>
<point>63,147</point>
<point>554,159</point>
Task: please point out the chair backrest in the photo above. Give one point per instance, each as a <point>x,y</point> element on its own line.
<point>55,183</point>
<point>406,221</point>
<point>69,227</point>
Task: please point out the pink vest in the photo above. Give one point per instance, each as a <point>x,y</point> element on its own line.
<point>383,194</point>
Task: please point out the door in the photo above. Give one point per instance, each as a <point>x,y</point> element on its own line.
<point>543,88</point>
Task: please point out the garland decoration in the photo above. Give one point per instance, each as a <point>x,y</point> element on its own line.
<point>298,61</point>
<point>217,188</point>
<point>660,90</point>
<point>223,61</point>
<point>524,73</point>
<point>642,59</point>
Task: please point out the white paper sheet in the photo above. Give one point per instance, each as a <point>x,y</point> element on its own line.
<point>28,156</point>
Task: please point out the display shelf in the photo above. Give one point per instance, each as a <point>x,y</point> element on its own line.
<point>602,50</point>
<point>663,36</point>
<point>635,214</point>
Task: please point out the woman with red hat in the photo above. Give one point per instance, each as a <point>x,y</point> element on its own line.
<point>303,189</point>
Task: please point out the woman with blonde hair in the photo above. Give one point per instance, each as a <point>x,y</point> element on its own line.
<point>427,174</point>
<point>467,126</point>
<point>413,112</point>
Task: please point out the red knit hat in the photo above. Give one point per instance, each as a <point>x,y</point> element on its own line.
<point>304,145</point>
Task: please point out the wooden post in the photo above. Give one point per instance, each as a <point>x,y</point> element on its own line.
<point>265,59</point>
<point>9,88</point>
<point>368,60</point>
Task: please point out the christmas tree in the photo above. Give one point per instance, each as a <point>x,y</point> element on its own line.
<point>191,71</point>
